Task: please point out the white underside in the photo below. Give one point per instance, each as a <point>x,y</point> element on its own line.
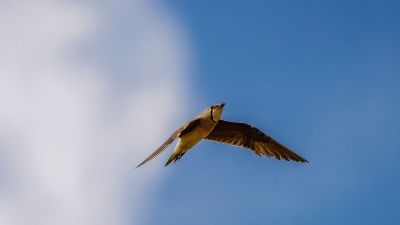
<point>187,141</point>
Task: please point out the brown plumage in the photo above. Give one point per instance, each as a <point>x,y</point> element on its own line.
<point>244,135</point>
<point>208,125</point>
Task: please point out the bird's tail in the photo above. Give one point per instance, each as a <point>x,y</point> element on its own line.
<point>174,157</point>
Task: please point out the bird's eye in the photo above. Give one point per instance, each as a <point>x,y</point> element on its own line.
<point>212,107</point>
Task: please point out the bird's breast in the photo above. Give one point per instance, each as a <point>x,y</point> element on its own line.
<point>194,136</point>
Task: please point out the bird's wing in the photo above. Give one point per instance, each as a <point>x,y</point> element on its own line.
<point>183,129</point>
<point>244,135</point>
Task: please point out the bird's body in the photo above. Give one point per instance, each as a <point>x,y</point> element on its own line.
<point>190,139</point>
<point>207,125</point>
<point>194,131</point>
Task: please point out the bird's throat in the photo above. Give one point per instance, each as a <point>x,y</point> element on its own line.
<point>212,117</point>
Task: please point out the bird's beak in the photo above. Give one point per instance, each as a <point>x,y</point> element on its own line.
<point>222,104</point>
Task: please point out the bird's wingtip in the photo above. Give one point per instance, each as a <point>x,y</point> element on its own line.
<point>139,165</point>
<point>304,161</point>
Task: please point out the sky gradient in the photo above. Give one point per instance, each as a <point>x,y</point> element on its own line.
<point>321,77</point>
<point>88,89</point>
<point>77,80</point>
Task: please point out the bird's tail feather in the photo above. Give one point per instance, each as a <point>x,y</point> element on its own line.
<point>174,157</point>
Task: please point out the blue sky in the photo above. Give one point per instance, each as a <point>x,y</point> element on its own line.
<point>88,89</point>
<point>322,77</point>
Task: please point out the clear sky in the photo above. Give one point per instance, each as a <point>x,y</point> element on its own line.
<point>88,89</point>
<point>322,77</point>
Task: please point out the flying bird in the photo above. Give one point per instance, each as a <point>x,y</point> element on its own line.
<point>208,125</point>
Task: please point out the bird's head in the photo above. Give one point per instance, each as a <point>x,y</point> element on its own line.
<point>215,111</point>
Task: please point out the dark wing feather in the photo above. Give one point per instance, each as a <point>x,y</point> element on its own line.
<point>182,130</point>
<point>244,135</point>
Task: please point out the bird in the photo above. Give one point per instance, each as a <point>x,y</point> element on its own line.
<point>209,126</point>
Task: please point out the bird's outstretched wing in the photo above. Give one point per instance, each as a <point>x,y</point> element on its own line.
<point>182,130</point>
<point>244,135</point>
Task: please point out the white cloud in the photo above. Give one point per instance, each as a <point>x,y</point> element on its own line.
<point>67,150</point>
